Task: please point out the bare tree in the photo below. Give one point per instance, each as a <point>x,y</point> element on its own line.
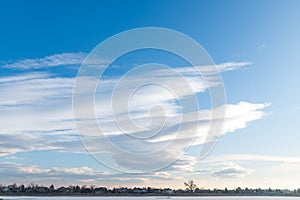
<point>190,186</point>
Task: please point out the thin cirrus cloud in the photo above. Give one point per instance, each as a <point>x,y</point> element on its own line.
<point>252,157</point>
<point>232,170</point>
<point>71,58</point>
<point>55,60</point>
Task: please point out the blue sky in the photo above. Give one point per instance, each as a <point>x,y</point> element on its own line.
<point>259,41</point>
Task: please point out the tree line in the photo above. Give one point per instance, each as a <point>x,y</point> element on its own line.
<point>190,189</point>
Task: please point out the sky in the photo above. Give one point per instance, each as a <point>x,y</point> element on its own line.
<point>254,44</point>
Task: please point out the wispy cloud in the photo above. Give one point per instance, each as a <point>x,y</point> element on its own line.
<point>193,71</point>
<point>232,170</point>
<point>27,174</point>
<point>37,110</point>
<point>229,66</point>
<point>252,157</point>
<point>54,60</point>
<point>247,168</point>
<point>23,77</point>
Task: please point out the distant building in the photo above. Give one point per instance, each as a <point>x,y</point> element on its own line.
<point>168,191</point>
<point>5,189</point>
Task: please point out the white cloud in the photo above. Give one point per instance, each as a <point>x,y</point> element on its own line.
<point>27,174</point>
<point>252,157</point>
<point>33,88</point>
<point>211,69</point>
<point>232,170</point>
<point>36,109</point>
<point>23,77</point>
<point>251,170</point>
<point>237,116</point>
<point>54,60</point>
<point>229,66</point>
<point>33,169</point>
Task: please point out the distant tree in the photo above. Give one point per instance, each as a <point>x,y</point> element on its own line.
<point>82,189</point>
<point>22,188</point>
<point>197,190</point>
<point>72,188</point>
<point>238,190</point>
<point>190,186</point>
<point>226,190</point>
<point>92,187</point>
<point>77,189</point>
<point>149,189</point>
<point>51,188</point>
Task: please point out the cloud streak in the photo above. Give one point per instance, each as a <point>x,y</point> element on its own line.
<point>232,170</point>
<point>27,174</point>
<point>55,60</point>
